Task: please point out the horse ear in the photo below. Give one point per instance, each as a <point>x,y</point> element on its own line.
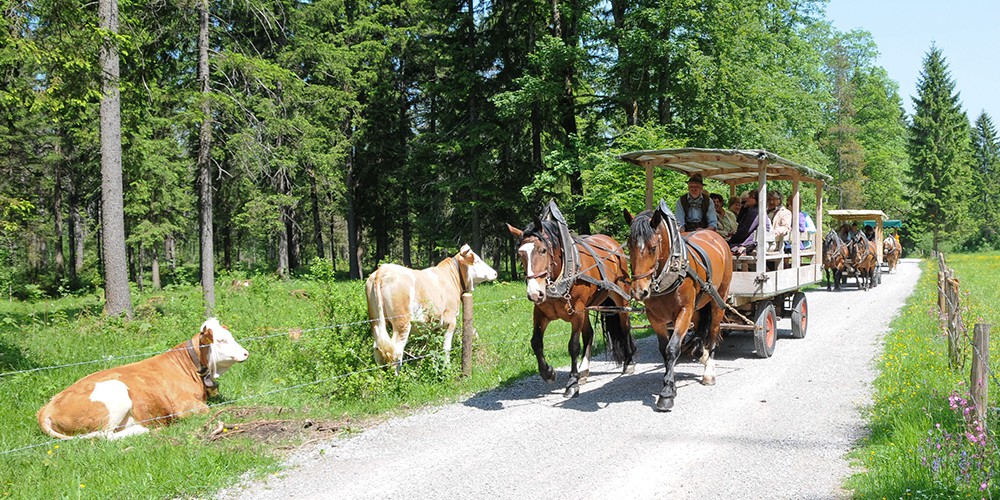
<point>515,232</point>
<point>537,222</point>
<point>628,216</point>
<point>657,218</point>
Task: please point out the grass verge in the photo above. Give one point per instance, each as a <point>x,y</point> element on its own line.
<point>922,442</point>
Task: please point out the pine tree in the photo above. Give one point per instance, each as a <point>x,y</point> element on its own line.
<point>940,153</point>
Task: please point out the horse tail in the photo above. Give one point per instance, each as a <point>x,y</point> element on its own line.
<point>617,333</point>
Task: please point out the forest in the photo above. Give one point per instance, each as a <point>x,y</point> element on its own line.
<point>260,135</point>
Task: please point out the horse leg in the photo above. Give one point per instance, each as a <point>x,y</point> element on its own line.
<point>826,276</point>
<point>575,376</point>
<point>714,339</point>
<point>671,350</point>
<point>540,322</point>
<point>625,325</point>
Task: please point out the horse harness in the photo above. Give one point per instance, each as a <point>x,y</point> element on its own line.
<point>571,260</point>
<point>678,265</point>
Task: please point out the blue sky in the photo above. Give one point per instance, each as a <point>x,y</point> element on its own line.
<point>966,31</point>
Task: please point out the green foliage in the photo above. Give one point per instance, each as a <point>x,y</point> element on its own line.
<point>983,207</point>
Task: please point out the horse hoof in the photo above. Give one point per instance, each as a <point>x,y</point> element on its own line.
<point>572,391</point>
<point>628,369</point>
<point>706,380</point>
<point>664,404</point>
<point>548,375</point>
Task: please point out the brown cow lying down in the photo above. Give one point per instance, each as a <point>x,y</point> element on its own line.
<point>122,401</point>
<point>401,295</point>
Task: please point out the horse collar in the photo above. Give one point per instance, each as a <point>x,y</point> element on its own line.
<point>206,376</point>
<point>676,268</point>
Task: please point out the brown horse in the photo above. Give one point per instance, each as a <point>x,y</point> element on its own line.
<point>863,255</point>
<point>599,277</point>
<point>891,252</point>
<point>834,259</point>
<point>676,275</point>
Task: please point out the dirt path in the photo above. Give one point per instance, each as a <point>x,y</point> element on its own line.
<point>770,428</point>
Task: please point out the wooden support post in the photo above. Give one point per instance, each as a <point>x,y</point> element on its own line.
<point>468,333</point>
<point>979,382</point>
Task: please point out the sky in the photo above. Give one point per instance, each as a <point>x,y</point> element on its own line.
<point>966,32</point>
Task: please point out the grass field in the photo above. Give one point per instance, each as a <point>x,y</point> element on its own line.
<point>921,443</point>
<point>288,390</point>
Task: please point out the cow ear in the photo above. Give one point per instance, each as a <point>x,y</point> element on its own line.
<point>515,232</point>
<point>206,336</point>
<point>628,216</point>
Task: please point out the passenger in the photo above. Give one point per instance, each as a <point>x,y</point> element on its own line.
<point>744,240</point>
<point>807,228</point>
<point>781,218</point>
<point>735,204</point>
<point>727,219</point>
<point>695,210</point>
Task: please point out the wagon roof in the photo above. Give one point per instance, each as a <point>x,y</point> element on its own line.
<point>858,214</point>
<point>731,166</point>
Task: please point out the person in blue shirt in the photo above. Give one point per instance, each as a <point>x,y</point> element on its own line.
<point>695,210</point>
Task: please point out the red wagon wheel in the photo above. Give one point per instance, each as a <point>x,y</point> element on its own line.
<point>800,315</point>
<point>766,333</point>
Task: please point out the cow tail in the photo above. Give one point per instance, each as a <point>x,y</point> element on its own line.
<point>45,421</point>
<point>376,314</point>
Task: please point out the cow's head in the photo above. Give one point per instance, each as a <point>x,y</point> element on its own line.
<point>223,350</point>
<point>476,269</point>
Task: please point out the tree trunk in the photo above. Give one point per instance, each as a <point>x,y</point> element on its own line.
<point>353,245</point>
<point>204,165</point>
<point>75,239</point>
<point>139,278</point>
<point>57,211</point>
<point>317,226</point>
<point>155,271</point>
<point>170,251</point>
<point>117,296</point>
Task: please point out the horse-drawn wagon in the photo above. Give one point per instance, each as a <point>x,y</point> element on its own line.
<point>876,219</point>
<point>768,283</point>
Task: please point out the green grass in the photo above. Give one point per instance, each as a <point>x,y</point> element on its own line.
<point>283,379</point>
<point>918,446</point>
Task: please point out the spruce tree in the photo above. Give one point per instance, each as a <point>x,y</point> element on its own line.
<point>986,154</point>
<point>940,153</point>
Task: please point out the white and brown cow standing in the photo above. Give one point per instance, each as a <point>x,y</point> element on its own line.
<point>123,401</point>
<point>401,295</point>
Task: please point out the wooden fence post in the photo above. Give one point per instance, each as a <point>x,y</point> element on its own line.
<point>980,375</point>
<point>468,333</point>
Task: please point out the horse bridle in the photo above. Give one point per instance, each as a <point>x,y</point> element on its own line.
<point>672,272</point>
<point>548,272</point>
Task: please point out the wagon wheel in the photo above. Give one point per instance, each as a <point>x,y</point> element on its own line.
<point>800,315</point>
<point>766,333</point>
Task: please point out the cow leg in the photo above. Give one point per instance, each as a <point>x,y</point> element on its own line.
<point>449,333</point>
<point>671,349</point>
<point>540,322</point>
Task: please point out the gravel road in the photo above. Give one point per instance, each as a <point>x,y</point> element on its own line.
<point>770,428</point>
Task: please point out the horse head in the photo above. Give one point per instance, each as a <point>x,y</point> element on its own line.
<point>833,251</point>
<point>650,244</point>
<point>541,252</point>
<point>858,247</point>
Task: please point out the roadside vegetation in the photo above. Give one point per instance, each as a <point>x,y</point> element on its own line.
<point>288,391</point>
<point>924,441</point>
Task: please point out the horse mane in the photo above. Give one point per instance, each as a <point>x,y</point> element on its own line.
<point>548,232</point>
<point>641,231</point>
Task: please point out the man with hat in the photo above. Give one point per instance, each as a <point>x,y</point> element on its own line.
<point>695,210</point>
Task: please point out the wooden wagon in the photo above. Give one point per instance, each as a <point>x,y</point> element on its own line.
<point>767,284</point>
<point>878,218</point>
